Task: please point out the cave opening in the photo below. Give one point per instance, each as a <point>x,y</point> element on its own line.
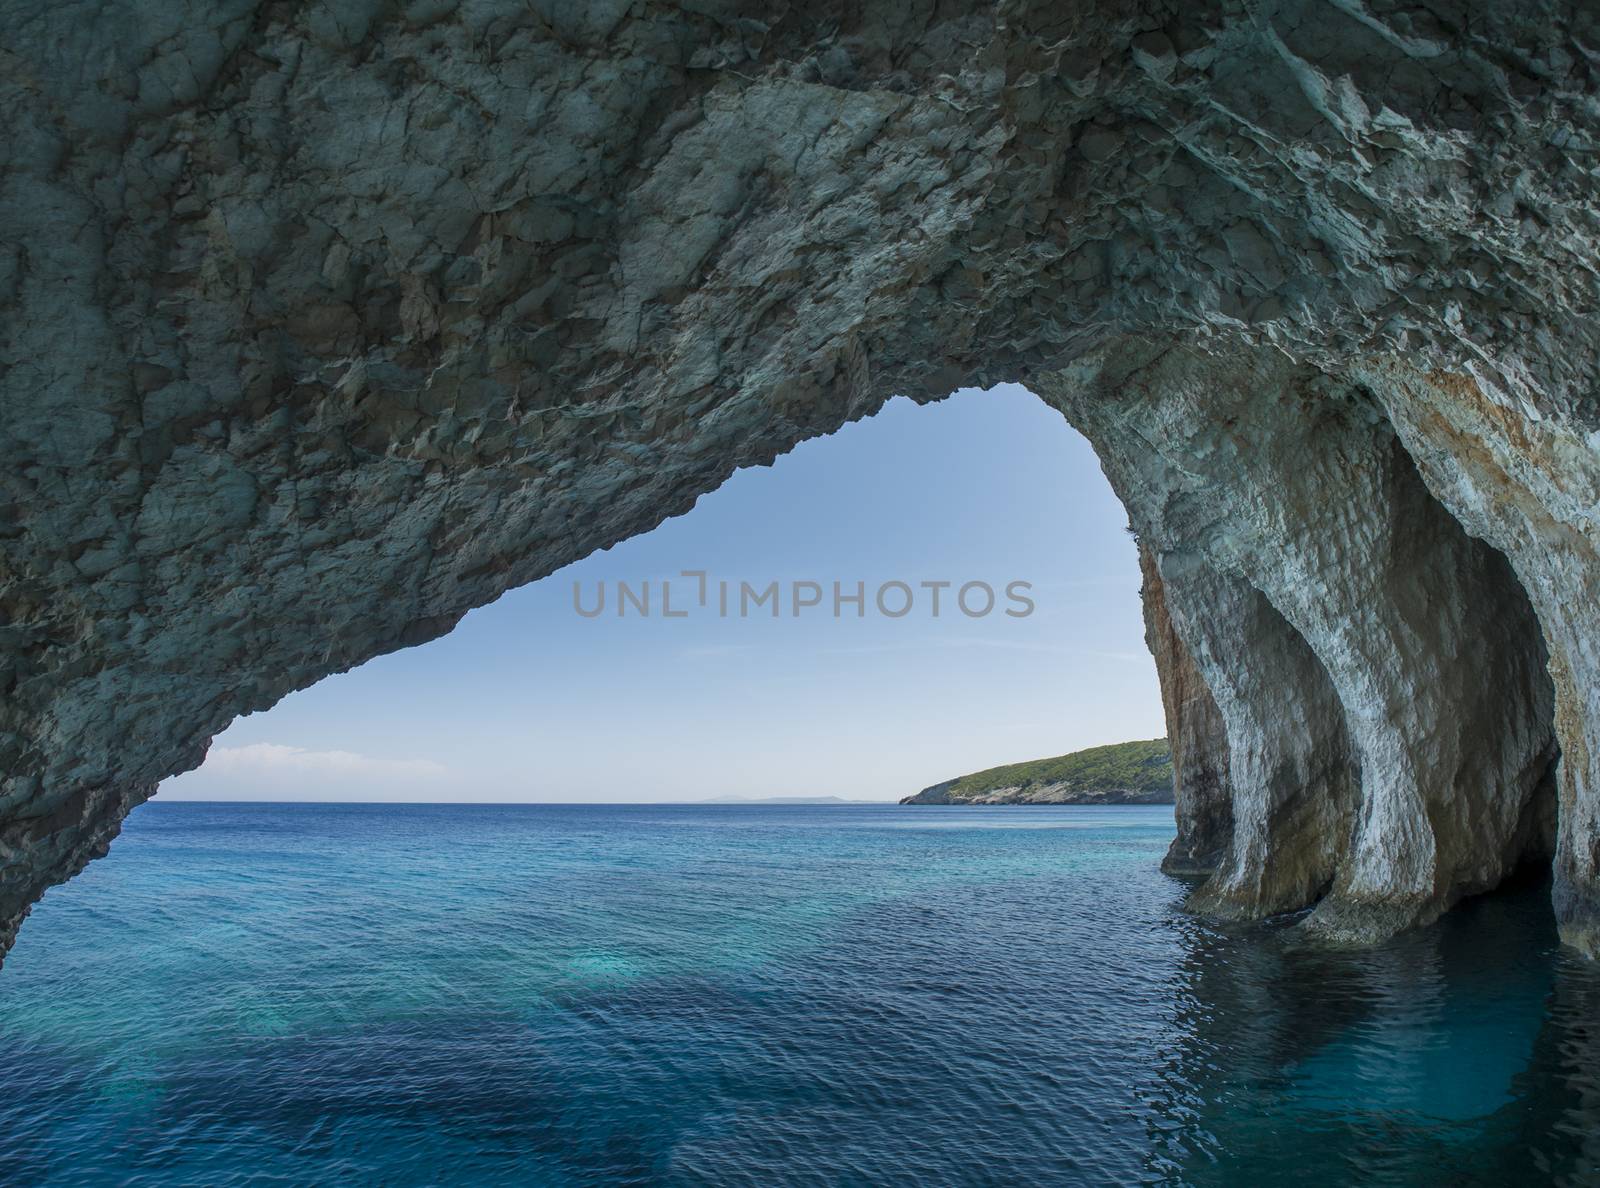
<point>328,325</point>
<point>1355,690</point>
<point>1366,735</point>
<point>933,590</point>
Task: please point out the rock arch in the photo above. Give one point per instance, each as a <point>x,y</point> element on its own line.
<point>323,324</point>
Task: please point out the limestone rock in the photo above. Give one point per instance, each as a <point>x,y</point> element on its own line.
<point>1201,790</point>
<point>324,324</point>
<point>1381,674</point>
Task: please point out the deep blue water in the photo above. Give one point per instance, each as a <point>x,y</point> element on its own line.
<point>296,994</point>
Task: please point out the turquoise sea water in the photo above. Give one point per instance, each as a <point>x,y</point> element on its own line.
<point>384,994</point>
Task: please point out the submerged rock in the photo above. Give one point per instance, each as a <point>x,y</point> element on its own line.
<point>322,326</point>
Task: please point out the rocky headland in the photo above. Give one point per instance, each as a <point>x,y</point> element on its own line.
<point>1121,773</point>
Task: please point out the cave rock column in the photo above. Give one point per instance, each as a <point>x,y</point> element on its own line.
<point>1288,754</point>
<point>1298,485</point>
<point>1519,464</point>
<point>1197,734</point>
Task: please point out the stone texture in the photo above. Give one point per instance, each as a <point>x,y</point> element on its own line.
<point>1201,792</point>
<point>1522,479</point>
<point>322,324</point>
<point>1285,748</point>
<point>1349,629</point>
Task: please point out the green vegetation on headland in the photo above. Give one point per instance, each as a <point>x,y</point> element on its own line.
<point>1122,773</point>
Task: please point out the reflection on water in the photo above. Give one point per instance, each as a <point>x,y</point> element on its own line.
<point>686,996</point>
<point>1465,1053</point>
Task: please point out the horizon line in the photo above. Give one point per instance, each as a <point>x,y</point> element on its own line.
<point>712,803</point>
<point>757,802</point>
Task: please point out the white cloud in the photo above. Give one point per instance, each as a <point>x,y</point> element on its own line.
<point>273,771</point>
<point>276,759</point>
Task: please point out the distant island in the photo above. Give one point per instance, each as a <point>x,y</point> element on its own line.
<point>797,800</point>
<point>1122,773</point>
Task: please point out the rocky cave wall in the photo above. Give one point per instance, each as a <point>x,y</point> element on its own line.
<point>1195,731</point>
<point>1382,676</point>
<point>323,323</point>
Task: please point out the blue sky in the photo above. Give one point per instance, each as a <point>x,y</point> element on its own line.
<point>528,701</point>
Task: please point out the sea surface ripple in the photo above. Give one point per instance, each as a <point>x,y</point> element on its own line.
<point>576,995</point>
